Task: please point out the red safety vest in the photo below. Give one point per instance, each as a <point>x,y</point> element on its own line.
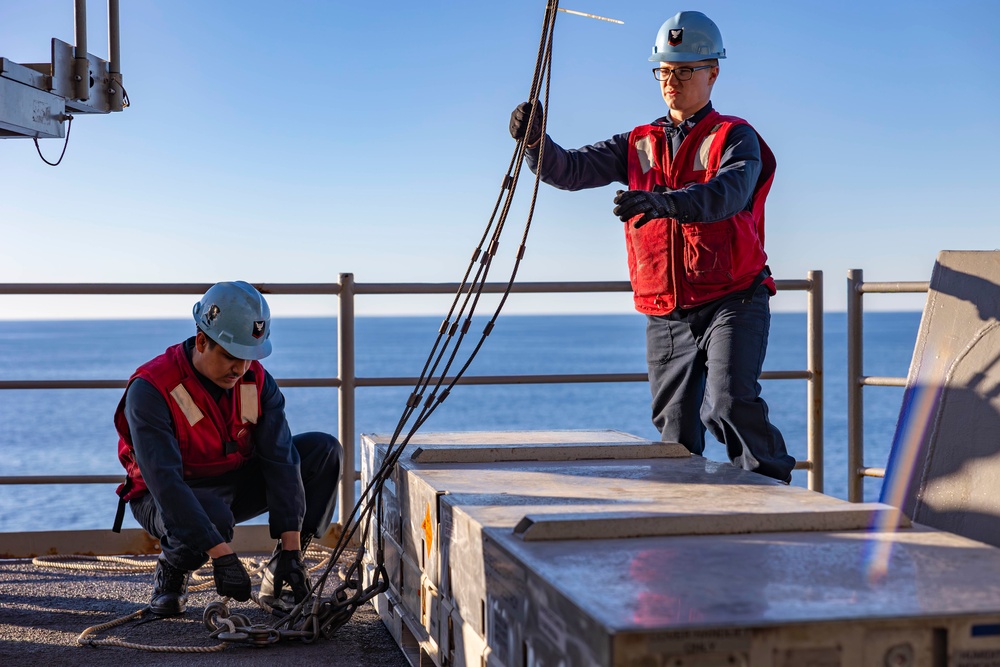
<point>685,265</point>
<point>214,436</point>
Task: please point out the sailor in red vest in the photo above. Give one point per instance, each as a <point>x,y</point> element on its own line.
<point>694,231</point>
<point>205,444</point>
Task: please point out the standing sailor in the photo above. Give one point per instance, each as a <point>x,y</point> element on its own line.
<point>205,443</point>
<point>694,231</point>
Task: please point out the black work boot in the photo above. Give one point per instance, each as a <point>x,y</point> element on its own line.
<point>283,604</point>
<point>280,606</point>
<point>169,589</point>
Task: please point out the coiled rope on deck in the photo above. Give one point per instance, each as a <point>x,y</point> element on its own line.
<point>85,638</point>
<point>119,564</point>
<point>123,565</point>
<point>126,565</point>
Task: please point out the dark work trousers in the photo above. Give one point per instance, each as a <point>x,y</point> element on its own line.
<point>242,494</point>
<point>704,365</point>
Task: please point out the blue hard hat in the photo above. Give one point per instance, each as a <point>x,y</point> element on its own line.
<point>236,316</point>
<point>688,37</point>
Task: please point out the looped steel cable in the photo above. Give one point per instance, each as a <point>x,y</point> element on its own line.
<point>431,389</point>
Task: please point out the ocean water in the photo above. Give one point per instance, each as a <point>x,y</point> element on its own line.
<point>70,431</point>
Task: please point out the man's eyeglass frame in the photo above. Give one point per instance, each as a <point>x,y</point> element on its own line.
<point>682,73</point>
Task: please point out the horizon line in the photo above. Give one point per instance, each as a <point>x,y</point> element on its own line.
<point>333,316</point>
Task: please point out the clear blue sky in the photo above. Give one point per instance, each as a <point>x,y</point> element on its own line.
<point>290,142</point>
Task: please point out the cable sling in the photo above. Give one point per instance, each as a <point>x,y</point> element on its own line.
<point>433,384</point>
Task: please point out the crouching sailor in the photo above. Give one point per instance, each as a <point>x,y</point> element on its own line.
<point>205,443</point>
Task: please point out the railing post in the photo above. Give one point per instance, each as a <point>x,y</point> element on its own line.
<point>814,387</point>
<point>855,375</point>
<point>346,397</point>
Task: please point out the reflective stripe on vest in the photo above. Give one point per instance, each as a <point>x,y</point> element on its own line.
<point>249,404</point>
<point>187,405</point>
<point>702,157</point>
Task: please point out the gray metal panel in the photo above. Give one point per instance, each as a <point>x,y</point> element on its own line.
<point>411,502</point>
<point>29,112</point>
<point>100,96</point>
<point>562,452</point>
<point>944,470</point>
<point>688,485</point>
<point>761,579</point>
<point>30,75</point>
<point>797,594</point>
<point>645,523</point>
<point>810,595</point>
<point>692,488</point>
<point>472,439</point>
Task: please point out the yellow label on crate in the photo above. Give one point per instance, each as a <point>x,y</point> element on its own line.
<point>428,526</point>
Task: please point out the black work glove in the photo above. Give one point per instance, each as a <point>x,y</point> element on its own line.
<point>288,568</point>
<point>519,122</point>
<point>231,578</point>
<point>650,205</point>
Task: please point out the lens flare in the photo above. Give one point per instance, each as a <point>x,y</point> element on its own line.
<point>917,416</point>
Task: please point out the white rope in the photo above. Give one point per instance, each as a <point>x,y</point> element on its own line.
<point>120,564</point>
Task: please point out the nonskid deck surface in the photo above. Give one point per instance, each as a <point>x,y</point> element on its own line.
<point>43,610</point>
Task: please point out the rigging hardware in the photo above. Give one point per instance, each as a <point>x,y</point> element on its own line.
<point>326,614</point>
<point>37,99</point>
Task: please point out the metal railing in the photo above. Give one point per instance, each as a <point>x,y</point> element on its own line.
<point>347,382</point>
<point>856,378</point>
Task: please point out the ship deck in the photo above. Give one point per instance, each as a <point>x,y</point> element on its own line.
<point>43,610</point>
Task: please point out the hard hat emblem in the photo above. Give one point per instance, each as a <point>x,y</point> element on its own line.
<point>258,329</point>
<point>676,36</point>
<point>212,313</point>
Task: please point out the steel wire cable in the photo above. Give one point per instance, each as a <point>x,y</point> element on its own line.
<point>396,447</point>
<point>340,606</point>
